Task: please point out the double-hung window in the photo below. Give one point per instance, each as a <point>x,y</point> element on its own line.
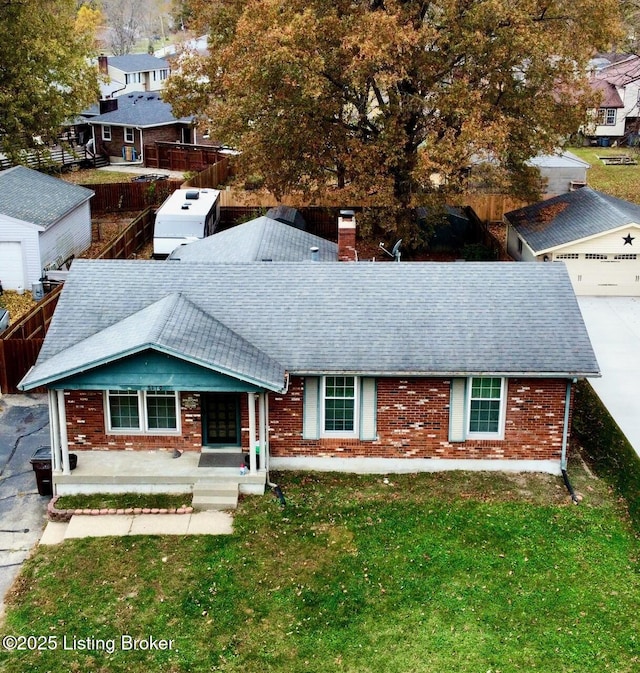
<point>150,412</point>
<point>477,408</point>
<point>106,132</point>
<point>607,116</point>
<point>339,405</point>
<point>128,134</point>
<point>486,407</point>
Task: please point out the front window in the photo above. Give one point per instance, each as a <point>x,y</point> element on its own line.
<point>152,412</point>
<point>106,133</point>
<point>124,411</point>
<point>486,406</point>
<point>128,135</point>
<point>339,405</point>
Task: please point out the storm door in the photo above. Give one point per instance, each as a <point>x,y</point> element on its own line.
<point>221,419</point>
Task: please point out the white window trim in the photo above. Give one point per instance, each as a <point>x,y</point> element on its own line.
<point>129,134</point>
<point>501,418</point>
<point>607,116</point>
<point>142,414</point>
<point>355,433</point>
<point>106,132</point>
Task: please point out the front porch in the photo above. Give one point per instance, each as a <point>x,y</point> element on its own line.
<point>158,472</point>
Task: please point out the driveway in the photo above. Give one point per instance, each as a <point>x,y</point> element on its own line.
<point>613,324</point>
<point>24,426</point>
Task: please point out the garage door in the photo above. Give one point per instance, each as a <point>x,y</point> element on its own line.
<point>11,265</point>
<point>604,274</point>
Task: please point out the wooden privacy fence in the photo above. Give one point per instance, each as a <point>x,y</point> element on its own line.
<point>180,157</point>
<point>127,196</point>
<point>21,343</point>
<point>211,177</point>
<point>133,238</point>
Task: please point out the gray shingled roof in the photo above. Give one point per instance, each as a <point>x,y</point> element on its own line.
<point>140,110</point>
<point>34,197</point>
<point>262,239</point>
<point>175,326</point>
<point>571,217</point>
<point>381,319</point>
<point>138,63</point>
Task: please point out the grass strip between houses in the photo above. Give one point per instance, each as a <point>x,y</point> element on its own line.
<point>436,572</point>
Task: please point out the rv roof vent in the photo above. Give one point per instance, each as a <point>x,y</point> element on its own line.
<point>185,206</point>
<point>192,194</point>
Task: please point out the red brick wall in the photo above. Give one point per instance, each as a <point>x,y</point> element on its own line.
<point>86,427</point>
<point>413,422</point>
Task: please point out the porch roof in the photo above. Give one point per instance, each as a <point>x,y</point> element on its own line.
<point>172,325</point>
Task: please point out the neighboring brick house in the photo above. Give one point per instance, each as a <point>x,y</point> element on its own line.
<point>129,122</point>
<point>326,366</point>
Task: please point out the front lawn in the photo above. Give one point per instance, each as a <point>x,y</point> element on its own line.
<point>441,573</point>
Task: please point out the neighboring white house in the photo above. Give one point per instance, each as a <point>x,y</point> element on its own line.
<point>131,73</point>
<point>595,235</point>
<point>43,221</point>
<point>618,116</point>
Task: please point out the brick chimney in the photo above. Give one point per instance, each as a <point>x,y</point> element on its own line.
<point>103,67</point>
<point>347,236</point>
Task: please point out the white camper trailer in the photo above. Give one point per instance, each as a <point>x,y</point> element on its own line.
<point>185,216</point>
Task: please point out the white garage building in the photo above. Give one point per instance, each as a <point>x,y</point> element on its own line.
<point>43,220</point>
<point>596,235</point>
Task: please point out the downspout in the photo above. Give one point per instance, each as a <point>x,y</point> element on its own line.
<point>277,491</point>
<point>565,437</point>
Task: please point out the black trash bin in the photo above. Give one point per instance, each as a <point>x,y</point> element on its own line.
<point>41,463</point>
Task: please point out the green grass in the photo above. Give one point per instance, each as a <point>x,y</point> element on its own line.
<point>435,573</point>
<point>123,501</point>
<point>620,181</point>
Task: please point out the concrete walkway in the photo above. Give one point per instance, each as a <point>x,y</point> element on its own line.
<point>198,523</point>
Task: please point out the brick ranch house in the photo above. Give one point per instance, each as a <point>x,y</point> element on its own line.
<point>360,367</point>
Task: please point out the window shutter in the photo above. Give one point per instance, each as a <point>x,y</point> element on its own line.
<point>311,408</point>
<point>368,409</point>
<point>457,404</point>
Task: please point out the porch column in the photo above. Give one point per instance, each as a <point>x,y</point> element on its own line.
<point>262,430</point>
<point>251,398</point>
<point>54,431</point>
<point>64,441</point>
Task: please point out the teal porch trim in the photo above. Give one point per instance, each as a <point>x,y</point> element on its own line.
<point>152,370</point>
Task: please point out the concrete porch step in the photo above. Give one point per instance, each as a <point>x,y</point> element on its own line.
<point>215,495</point>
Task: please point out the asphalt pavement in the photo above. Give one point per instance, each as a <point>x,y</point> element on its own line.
<point>24,426</point>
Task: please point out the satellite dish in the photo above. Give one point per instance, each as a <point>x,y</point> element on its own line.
<point>395,251</point>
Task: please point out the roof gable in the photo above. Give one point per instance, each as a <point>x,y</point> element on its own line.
<point>571,217</point>
<point>438,319</point>
<point>262,239</point>
<point>55,197</point>
<point>171,325</point>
